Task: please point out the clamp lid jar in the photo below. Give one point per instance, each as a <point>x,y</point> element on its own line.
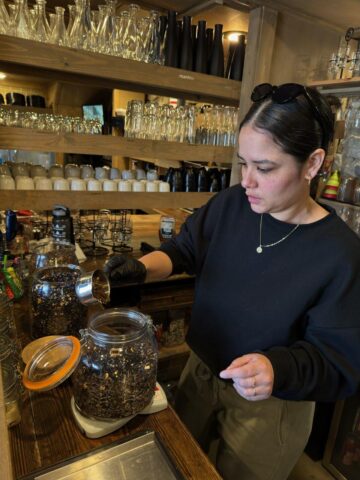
<point>113,367</point>
<point>116,376</point>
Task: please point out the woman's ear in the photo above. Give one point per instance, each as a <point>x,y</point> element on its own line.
<point>313,163</point>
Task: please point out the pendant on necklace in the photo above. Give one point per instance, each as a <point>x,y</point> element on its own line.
<point>259,249</point>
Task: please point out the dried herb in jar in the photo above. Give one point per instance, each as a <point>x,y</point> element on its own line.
<point>55,308</point>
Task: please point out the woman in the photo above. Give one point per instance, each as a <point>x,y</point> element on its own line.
<point>275,323</point>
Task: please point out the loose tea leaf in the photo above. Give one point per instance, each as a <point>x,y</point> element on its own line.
<point>115,381</point>
<point>55,307</point>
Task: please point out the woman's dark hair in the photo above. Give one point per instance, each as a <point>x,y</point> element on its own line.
<point>293,125</point>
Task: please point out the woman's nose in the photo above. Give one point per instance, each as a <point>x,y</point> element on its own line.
<point>248,179</point>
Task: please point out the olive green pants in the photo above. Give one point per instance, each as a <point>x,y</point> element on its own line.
<point>255,440</point>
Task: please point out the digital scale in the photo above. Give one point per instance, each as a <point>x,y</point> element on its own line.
<point>99,428</point>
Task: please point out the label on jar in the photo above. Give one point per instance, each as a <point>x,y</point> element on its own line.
<point>167,228</point>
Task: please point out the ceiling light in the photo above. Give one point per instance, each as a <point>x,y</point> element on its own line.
<point>233,35</point>
<point>2,75</point>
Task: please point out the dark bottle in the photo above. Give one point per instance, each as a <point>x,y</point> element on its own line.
<point>225,178</point>
<point>216,66</point>
<point>186,54</point>
<point>177,183</point>
<point>62,225</point>
<point>171,41</point>
<point>162,27</point>
<point>179,40</point>
<point>214,184</point>
<point>202,181</point>
<point>213,173</point>
<point>237,64</point>
<point>209,42</point>
<point>230,59</point>
<point>193,40</point>
<point>201,52</point>
<point>190,180</point>
<point>169,176</point>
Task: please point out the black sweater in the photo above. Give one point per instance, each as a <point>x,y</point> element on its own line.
<point>297,302</point>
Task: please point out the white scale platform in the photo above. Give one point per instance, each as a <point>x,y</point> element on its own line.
<point>98,428</point>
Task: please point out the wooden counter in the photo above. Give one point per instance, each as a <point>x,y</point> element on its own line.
<point>47,435</point>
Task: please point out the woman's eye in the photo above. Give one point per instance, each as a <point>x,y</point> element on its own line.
<point>264,170</point>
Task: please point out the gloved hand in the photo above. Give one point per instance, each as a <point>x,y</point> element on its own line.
<point>121,268</point>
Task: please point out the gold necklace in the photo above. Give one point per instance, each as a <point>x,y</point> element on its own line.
<point>259,249</point>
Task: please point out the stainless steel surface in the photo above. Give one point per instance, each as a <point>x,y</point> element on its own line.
<point>93,287</point>
<point>141,458</point>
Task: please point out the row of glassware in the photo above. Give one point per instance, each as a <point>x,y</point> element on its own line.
<point>128,34</point>
<point>207,125</point>
<point>79,184</point>
<point>72,170</point>
<point>48,122</point>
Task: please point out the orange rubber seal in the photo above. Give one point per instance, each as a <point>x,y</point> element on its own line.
<point>60,374</point>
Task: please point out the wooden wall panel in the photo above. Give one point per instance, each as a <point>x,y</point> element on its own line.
<point>302,49</point>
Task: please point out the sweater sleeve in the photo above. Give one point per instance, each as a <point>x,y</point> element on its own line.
<point>325,364</point>
<point>188,249</point>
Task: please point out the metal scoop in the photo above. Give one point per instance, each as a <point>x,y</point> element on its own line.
<point>93,287</point>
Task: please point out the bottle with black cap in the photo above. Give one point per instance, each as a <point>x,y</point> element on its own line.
<point>62,225</point>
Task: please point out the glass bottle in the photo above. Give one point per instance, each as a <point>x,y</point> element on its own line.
<point>209,42</point>
<point>237,64</point>
<point>201,51</point>
<point>58,34</point>
<point>22,27</point>
<point>153,44</point>
<point>131,34</point>
<point>186,54</point>
<point>120,33</point>
<point>171,41</point>
<point>71,17</point>
<point>79,30</point>
<point>106,27</point>
<point>4,18</point>
<point>216,62</point>
<point>162,36</point>
<point>41,25</point>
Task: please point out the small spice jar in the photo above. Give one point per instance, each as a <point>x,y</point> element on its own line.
<point>113,367</point>
<point>55,307</point>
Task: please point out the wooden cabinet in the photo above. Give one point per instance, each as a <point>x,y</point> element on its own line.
<point>79,67</point>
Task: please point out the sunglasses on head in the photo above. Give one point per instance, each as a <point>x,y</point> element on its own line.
<point>287,93</point>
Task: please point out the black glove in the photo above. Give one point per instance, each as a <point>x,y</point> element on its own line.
<point>121,268</point>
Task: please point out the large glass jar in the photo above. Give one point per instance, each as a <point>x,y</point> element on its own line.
<point>55,307</point>
<point>50,253</point>
<point>116,375</point>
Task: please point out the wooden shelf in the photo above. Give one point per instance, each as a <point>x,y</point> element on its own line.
<point>340,84</point>
<point>35,140</point>
<point>28,57</point>
<point>45,200</point>
<point>335,204</point>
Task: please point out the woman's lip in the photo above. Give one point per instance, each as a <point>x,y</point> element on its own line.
<point>253,199</point>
